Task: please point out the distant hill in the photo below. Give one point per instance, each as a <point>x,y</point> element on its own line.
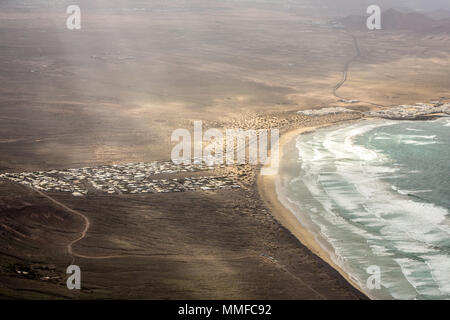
<point>353,22</point>
<point>443,27</point>
<point>439,14</point>
<point>396,20</point>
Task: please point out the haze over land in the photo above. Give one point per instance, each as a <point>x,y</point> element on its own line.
<point>114,91</point>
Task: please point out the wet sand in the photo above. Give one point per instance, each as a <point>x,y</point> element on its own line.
<point>191,245</point>
<point>116,98</point>
<point>267,187</point>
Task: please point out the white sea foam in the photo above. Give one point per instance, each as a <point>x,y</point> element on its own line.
<point>440,269</point>
<point>414,272</point>
<point>352,202</point>
<point>419,143</point>
<point>412,129</point>
<point>417,140</point>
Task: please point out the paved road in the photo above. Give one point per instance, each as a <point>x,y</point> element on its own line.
<point>346,67</point>
<point>346,71</point>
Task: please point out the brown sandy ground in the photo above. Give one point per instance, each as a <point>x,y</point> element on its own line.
<point>116,90</point>
<point>210,245</point>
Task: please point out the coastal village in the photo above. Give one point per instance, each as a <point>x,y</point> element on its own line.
<point>140,178</point>
<point>419,111</point>
<point>324,111</point>
<point>131,178</point>
<point>413,112</point>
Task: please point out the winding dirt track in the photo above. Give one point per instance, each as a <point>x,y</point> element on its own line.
<point>178,257</point>
<point>87,224</point>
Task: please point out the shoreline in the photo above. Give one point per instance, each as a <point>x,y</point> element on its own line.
<point>267,188</point>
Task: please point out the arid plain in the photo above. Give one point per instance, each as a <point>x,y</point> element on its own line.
<point>114,91</point>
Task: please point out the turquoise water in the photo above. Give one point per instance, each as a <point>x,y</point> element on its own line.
<point>376,193</point>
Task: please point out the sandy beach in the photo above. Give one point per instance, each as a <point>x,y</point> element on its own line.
<point>114,93</point>
<point>214,238</point>
<point>268,191</point>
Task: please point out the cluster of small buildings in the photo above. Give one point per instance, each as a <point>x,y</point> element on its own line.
<point>132,178</point>
<point>336,25</point>
<point>348,101</point>
<point>44,181</point>
<point>209,183</point>
<point>324,111</point>
<point>402,112</point>
<point>412,112</point>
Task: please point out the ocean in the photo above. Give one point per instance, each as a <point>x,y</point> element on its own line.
<point>376,195</point>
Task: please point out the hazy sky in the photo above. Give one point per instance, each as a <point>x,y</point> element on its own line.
<point>329,8</point>
<point>413,4</point>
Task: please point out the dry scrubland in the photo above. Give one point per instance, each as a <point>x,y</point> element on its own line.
<point>114,91</point>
